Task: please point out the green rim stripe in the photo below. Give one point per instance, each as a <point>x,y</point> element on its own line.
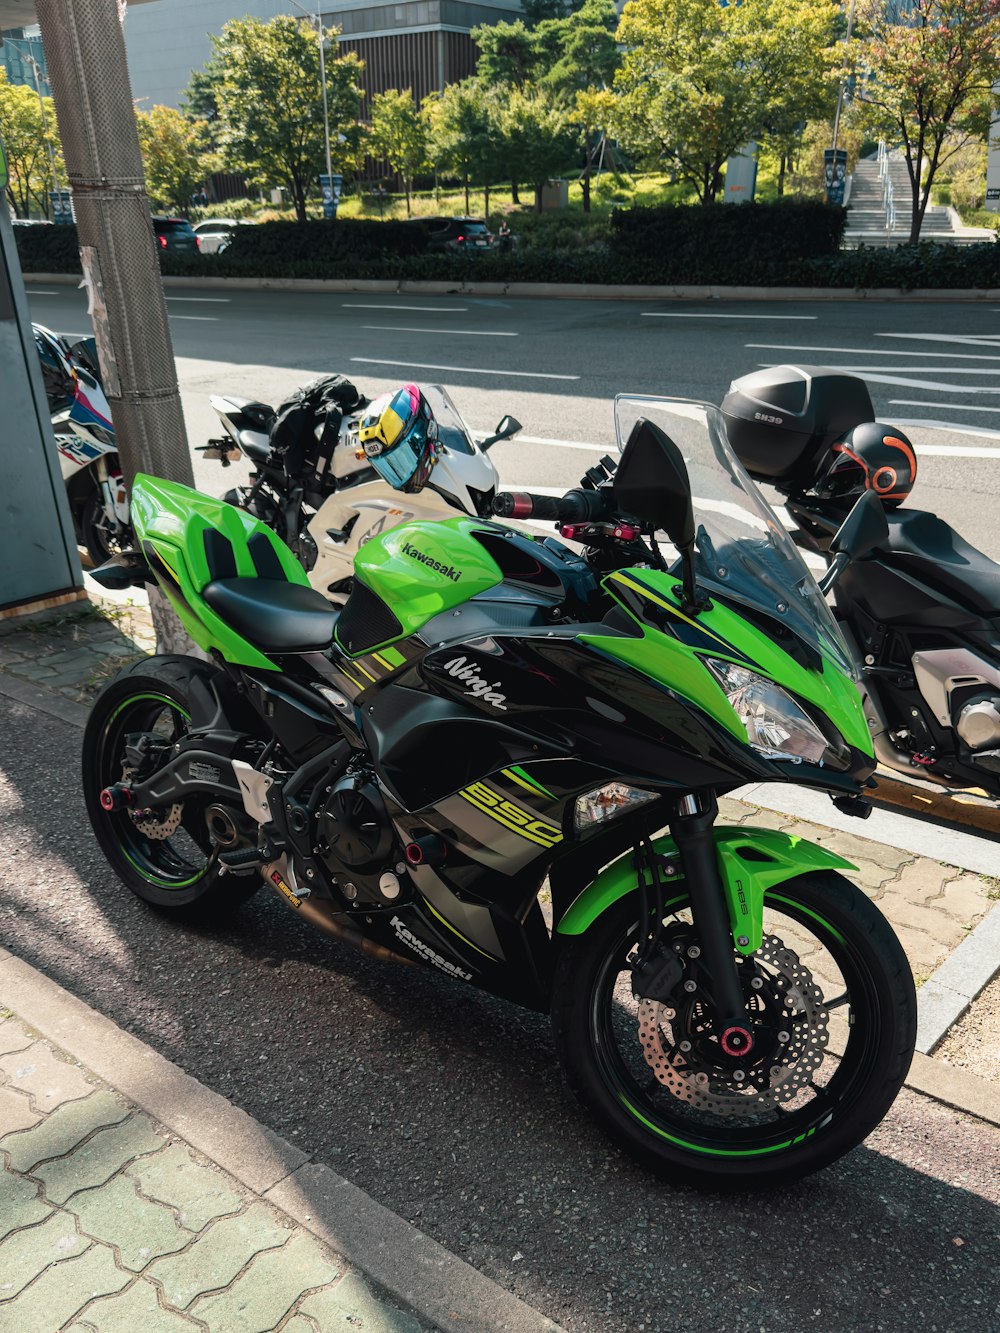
<point>155,879</point>
<point>156,698</point>
<point>711,1152</point>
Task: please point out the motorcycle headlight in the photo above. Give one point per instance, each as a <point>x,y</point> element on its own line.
<point>777,727</point>
<point>594,807</point>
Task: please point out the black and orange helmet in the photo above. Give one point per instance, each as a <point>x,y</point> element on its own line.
<point>870,457</point>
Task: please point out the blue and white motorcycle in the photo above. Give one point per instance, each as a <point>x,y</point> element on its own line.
<point>85,438</point>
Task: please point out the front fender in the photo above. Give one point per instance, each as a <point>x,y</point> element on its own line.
<point>751,861</point>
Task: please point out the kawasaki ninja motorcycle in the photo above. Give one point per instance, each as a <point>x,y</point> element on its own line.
<point>491,713</point>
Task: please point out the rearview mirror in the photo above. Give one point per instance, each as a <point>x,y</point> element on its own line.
<point>508,427</point>
<point>864,528</point>
<point>652,484</point>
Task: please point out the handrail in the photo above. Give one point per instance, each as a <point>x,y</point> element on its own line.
<point>888,202</point>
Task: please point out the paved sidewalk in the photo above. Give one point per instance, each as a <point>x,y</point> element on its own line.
<point>108,1222</point>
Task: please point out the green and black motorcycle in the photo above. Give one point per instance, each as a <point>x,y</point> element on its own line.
<point>502,759</point>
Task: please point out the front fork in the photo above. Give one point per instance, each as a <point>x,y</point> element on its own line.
<point>692,831</point>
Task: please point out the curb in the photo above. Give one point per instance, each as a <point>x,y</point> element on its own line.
<point>553,290</point>
<point>944,997</point>
<point>396,1258</point>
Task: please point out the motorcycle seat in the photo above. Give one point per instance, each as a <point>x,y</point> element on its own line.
<point>273,615</point>
<point>925,545</point>
<point>255,446</point>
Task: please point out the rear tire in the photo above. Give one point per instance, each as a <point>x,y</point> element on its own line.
<point>176,872</point>
<point>687,1118</point>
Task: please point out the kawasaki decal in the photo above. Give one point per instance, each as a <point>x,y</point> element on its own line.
<point>449,571</point>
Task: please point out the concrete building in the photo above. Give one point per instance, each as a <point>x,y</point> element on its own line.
<point>418,44</point>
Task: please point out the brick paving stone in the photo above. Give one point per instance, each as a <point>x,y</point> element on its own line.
<point>218,1255</point>
<point>351,1304</point>
<point>853,848</point>
<point>49,1081</point>
<point>62,1130</point>
<point>139,1230</point>
<point>923,953</point>
<point>61,1291</point>
<point>922,881</point>
<point>98,1159</point>
<point>13,1037</point>
<point>940,925</point>
<point>967,898</point>
<point>15,1111</point>
<point>199,1193</point>
<point>136,1310</point>
<point>21,1204</point>
<point>26,1253</point>
<point>259,1299</point>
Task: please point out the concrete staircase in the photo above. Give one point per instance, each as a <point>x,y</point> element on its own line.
<point>866,220</point>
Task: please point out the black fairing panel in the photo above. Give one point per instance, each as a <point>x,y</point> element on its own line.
<point>927,548</point>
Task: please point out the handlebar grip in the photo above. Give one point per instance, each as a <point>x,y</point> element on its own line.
<point>574,506</point>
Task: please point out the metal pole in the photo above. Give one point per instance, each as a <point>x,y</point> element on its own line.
<point>35,72</point>
<point>843,85</point>
<point>322,79</point>
<point>88,74</point>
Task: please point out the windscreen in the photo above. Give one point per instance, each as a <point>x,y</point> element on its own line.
<point>743,553</point>
<point>452,430</point>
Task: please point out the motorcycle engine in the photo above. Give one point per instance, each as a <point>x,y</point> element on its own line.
<point>358,843</point>
<point>978,723</point>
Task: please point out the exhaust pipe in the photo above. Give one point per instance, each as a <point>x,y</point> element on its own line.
<point>321,915</point>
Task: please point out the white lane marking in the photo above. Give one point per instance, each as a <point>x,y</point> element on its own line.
<point>212,319</point>
<point>556,444</point>
<point>31,292</point>
<point>900,381</point>
<point>429,309</point>
<point>952,407</point>
<point>960,339</point>
<point>912,370</point>
<point>685,314</point>
<point>465,370</point>
<point>213,300</point>
<point>953,450</point>
<point>465,333</point>
<point>871,351</point>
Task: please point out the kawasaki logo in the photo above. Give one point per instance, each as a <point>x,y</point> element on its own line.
<point>449,571</point>
<point>475,684</point>
<point>426,952</point>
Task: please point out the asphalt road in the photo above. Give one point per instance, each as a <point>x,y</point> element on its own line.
<point>447,1106</point>
<point>933,369</point>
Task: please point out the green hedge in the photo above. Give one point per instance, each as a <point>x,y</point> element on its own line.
<point>659,247</point>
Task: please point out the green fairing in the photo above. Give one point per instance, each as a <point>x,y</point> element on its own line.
<point>726,635</point>
<point>172,520</point>
<point>421,569</point>
<point>773,859</point>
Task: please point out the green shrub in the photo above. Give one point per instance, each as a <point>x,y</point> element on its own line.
<point>324,243</point>
<point>48,249</point>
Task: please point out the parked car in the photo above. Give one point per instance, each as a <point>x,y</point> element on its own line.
<point>30,222</point>
<point>468,234</point>
<point>175,234</point>
<point>215,234</point>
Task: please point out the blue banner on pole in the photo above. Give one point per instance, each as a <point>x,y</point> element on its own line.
<point>835,161</point>
<point>330,185</point>
<point>62,206</point>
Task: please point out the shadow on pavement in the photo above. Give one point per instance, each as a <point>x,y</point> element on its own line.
<point>448,1107</point>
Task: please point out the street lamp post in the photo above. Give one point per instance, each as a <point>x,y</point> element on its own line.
<point>317,18</point>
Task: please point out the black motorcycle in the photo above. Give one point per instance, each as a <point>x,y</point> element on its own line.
<point>922,610</point>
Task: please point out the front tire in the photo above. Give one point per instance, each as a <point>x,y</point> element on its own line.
<point>168,859</point>
<point>655,1078</point>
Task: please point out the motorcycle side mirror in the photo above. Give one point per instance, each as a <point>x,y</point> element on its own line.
<point>863,530</point>
<point>507,428</point>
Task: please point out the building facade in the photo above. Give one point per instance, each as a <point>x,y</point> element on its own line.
<point>23,57</point>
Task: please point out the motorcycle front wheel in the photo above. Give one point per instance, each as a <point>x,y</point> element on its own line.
<point>832,1006</point>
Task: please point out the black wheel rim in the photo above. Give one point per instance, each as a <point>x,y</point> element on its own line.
<point>652,1107</point>
<point>176,862</point>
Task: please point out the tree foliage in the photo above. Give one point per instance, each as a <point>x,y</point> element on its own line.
<point>699,80</point>
<point>270,103</point>
<point>399,134</point>
<point>464,142</point>
<point>174,154</point>
<point>927,79</point>
<point>539,135</point>
<point>28,132</point>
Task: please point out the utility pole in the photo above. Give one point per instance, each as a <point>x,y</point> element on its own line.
<point>843,84</point>
<point>36,75</point>
<point>88,74</point>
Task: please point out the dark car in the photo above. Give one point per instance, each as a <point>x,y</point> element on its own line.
<point>175,234</point>
<point>469,234</point>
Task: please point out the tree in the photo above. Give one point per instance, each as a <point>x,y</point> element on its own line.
<point>173,151</point>
<point>928,76</point>
<point>508,54</point>
<point>27,136</point>
<point>462,133</point>
<point>538,135</point>
<point>200,101</point>
<point>399,134</point>
<point>270,104</point>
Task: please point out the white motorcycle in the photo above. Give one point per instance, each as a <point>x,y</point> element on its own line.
<point>85,438</point>
<point>326,511</point>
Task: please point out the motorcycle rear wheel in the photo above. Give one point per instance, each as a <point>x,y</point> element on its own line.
<point>683,1114</point>
<point>177,871</point>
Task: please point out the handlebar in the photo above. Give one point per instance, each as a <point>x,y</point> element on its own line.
<point>573,507</point>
